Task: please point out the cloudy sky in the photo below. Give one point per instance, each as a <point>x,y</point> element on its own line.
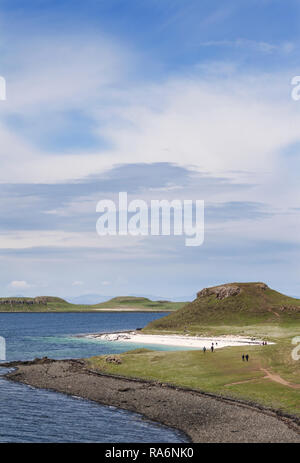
<point>163,99</point>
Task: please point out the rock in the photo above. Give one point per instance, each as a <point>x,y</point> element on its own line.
<point>221,292</point>
<point>262,286</point>
<point>113,359</point>
<point>42,361</point>
<point>289,308</point>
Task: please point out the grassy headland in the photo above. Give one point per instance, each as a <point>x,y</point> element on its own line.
<point>244,308</point>
<point>222,372</point>
<point>56,304</point>
<point>138,303</point>
<point>271,377</point>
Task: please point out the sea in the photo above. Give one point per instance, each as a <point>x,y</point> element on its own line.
<point>32,415</point>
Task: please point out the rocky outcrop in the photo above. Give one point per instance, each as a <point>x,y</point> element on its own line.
<point>221,292</point>
<point>23,301</point>
<point>289,308</point>
<point>262,286</point>
<point>113,359</point>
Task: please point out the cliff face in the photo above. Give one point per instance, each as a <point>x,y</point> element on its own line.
<point>29,301</point>
<point>22,301</point>
<point>223,291</point>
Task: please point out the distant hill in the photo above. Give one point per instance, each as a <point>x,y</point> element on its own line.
<point>32,304</point>
<point>94,298</point>
<point>57,304</point>
<point>87,299</point>
<point>40,300</point>
<point>232,304</point>
<point>138,303</point>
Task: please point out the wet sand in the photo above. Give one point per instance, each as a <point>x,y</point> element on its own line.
<point>202,417</point>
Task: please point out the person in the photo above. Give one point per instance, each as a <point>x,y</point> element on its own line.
<point>243,357</point>
<point>247,357</point>
<point>204,349</point>
<point>212,348</point>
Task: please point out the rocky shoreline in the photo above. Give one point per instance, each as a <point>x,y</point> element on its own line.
<point>202,417</point>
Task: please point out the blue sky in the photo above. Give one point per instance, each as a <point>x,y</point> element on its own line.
<point>163,99</point>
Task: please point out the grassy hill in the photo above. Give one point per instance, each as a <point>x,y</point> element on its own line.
<point>139,303</point>
<point>270,378</point>
<point>56,304</point>
<point>234,304</point>
<point>37,304</point>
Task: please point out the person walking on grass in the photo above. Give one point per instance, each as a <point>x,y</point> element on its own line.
<point>243,357</point>
<point>212,348</point>
<point>247,357</point>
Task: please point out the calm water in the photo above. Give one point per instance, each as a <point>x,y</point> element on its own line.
<point>33,415</point>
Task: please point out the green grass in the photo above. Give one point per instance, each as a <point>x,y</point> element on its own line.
<point>249,309</point>
<point>252,306</point>
<point>55,304</point>
<point>215,372</point>
<point>138,303</point>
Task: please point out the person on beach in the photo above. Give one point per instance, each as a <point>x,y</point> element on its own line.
<point>247,357</point>
<point>204,349</point>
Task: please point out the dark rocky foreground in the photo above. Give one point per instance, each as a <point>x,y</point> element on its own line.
<point>202,417</point>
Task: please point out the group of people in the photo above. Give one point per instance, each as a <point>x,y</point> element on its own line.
<point>212,347</point>
<point>244,356</point>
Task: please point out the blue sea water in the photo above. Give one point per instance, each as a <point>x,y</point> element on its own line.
<point>34,415</point>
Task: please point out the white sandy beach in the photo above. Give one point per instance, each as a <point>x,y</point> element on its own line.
<point>176,340</point>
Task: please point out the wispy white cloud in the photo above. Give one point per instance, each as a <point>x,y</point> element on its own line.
<point>254,45</point>
<point>20,284</point>
<point>217,126</point>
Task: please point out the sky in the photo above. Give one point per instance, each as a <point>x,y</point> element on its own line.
<point>162,99</point>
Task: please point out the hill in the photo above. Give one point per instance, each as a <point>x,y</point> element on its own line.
<point>139,303</point>
<point>231,304</point>
<point>57,304</point>
<point>33,304</point>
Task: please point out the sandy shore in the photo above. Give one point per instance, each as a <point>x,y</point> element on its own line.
<point>203,417</point>
<point>196,342</point>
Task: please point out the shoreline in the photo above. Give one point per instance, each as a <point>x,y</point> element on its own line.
<point>203,417</point>
<point>109,310</point>
<point>176,340</point>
